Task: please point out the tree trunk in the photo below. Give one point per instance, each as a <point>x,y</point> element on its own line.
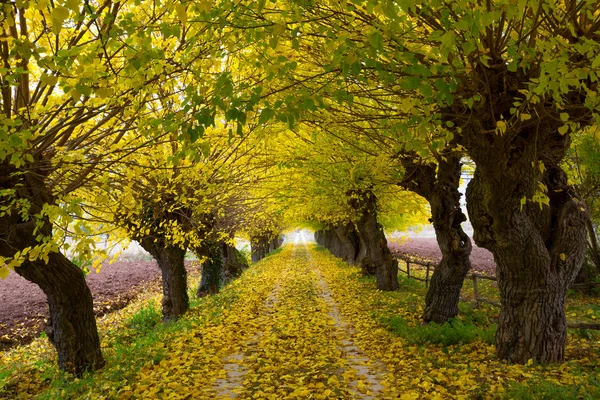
<point>72,324</point>
<point>212,269</point>
<point>439,186</point>
<point>233,262</point>
<point>443,295</point>
<point>262,245</point>
<point>538,253</point>
<point>347,248</point>
<point>377,256</point>
<point>170,260</point>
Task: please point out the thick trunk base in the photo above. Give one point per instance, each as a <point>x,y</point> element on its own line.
<point>441,301</point>
<point>72,325</point>
<point>532,325</point>
<point>538,254</point>
<point>212,269</point>
<point>376,256</point>
<point>170,260</point>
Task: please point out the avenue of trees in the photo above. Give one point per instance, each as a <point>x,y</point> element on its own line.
<point>182,124</point>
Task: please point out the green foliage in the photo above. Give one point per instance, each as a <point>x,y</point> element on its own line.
<point>452,332</point>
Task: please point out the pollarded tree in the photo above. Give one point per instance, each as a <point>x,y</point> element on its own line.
<point>75,79</point>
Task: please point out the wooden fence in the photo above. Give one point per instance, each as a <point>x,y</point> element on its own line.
<point>475,277</point>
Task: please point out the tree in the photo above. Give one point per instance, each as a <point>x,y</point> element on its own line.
<point>75,81</point>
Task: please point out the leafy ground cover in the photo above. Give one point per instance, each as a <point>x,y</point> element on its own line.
<point>301,324</point>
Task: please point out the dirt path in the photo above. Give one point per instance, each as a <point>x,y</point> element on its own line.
<point>230,385</point>
<point>365,369</point>
<point>303,338</point>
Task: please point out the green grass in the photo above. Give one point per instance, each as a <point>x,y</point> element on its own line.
<point>276,251</point>
<point>145,319</point>
<point>452,332</point>
<point>541,389</point>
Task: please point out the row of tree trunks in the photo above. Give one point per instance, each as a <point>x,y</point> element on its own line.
<point>374,256</point>
<point>438,184</point>
<point>342,240</point>
<point>222,263</point>
<point>363,244</point>
<point>264,244</point>
<point>72,325</point>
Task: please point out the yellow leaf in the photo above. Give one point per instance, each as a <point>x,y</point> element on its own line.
<point>42,4</point>
<point>181,11</point>
<point>563,256</point>
<point>4,272</point>
<point>73,5</point>
<point>58,15</point>
<point>563,129</point>
<point>204,6</point>
<point>501,127</point>
<point>525,116</point>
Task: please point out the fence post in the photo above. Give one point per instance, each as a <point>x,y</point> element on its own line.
<point>475,290</point>
<point>427,276</point>
<point>408,268</point>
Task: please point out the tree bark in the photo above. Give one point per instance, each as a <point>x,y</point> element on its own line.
<point>259,247</point>
<point>538,252</point>
<point>212,269</point>
<point>223,262</point>
<point>233,262</point>
<point>439,186</point>
<point>72,325</point>
<point>348,242</point>
<point>170,260</point>
<point>377,257</point>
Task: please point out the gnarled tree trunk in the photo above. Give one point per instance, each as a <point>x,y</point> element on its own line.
<point>538,253</point>
<point>377,257</point>
<point>212,269</point>
<point>348,242</point>
<point>72,325</point>
<point>170,260</point>
<point>233,262</point>
<point>524,211</point>
<point>259,247</point>
<point>222,263</point>
<point>439,186</point>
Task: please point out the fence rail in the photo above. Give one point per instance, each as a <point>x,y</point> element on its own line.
<point>475,277</point>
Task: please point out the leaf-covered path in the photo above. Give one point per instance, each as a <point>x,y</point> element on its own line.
<point>284,338</point>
